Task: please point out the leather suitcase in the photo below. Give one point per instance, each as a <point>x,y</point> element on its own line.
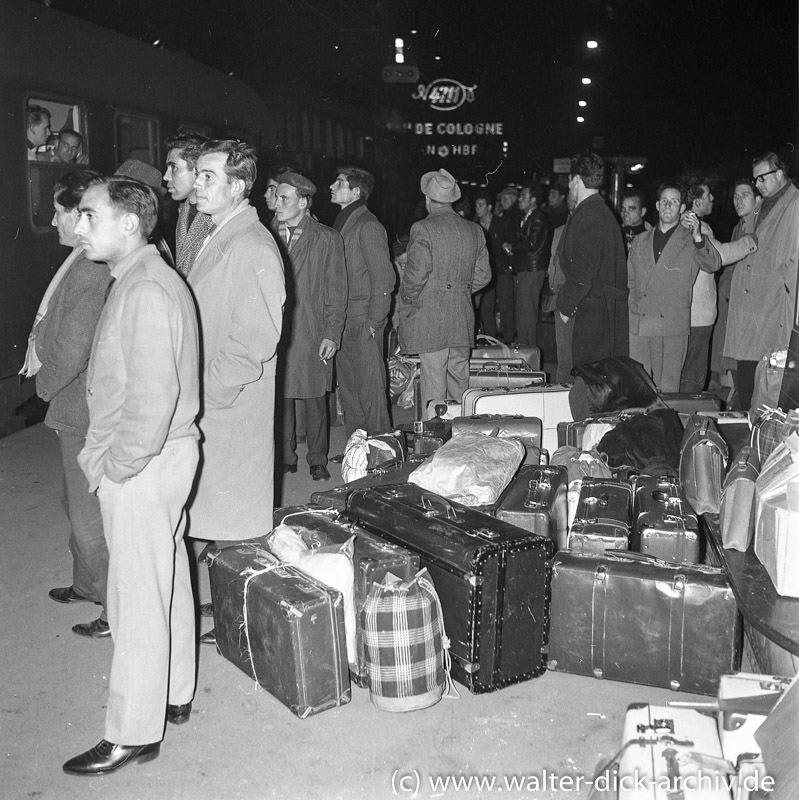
<point>691,402</point>
<point>424,437</point>
<point>549,403</point>
<point>492,349</point>
<point>535,500</point>
<point>281,627</point>
<point>738,501</point>
<point>492,578</point>
<point>373,557</point>
<point>628,617</point>
<point>602,519</point>
<point>503,425</point>
<point>673,753</point>
<point>491,375</point>
<point>664,525</point>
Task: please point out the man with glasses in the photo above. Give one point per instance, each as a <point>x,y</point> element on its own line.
<point>768,277</point>
<point>661,268</point>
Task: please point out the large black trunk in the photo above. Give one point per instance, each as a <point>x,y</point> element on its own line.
<point>492,577</point>
<point>628,617</point>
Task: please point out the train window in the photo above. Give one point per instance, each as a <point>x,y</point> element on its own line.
<point>56,141</point>
<point>137,137</point>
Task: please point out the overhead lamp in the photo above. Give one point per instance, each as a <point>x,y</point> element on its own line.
<point>585,81</point>
<point>592,44</point>
<point>399,51</point>
<point>582,103</point>
<point>580,119</point>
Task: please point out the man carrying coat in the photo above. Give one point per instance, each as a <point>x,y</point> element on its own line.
<point>315,318</point>
<point>447,263</point>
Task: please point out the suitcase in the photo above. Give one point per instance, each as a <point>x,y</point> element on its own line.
<point>628,617</point>
<point>492,375</point>
<point>503,425</point>
<point>281,627</point>
<point>602,519</point>
<point>535,500</point>
<point>671,754</point>
<point>664,525</point>
<point>492,578</point>
<point>738,501</point>
<point>691,402</point>
<point>734,426</point>
<point>426,436</point>
<point>548,403</point>
<point>373,558</point>
<point>492,349</point>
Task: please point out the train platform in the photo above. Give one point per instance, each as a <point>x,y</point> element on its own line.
<point>539,740</point>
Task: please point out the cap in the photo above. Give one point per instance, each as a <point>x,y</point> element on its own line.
<point>299,182</point>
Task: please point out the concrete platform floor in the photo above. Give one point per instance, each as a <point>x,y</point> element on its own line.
<point>240,743</point>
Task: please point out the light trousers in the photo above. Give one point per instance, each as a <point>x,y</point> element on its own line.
<point>443,375</point>
<point>662,357</point>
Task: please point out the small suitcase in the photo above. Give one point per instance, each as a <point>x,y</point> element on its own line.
<point>372,559</point>
<point>281,627</point>
<point>602,519</point>
<point>488,348</point>
<point>503,425</point>
<point>738,501</point>
<point>492,578</point>
<point>664,525</point>
<point>628,617</point>
<point>492,375</point>
<point>536,501</point>
<point>734,426</point>
<point>426,436</point>
<point>691,402</point>
<point>548,403</point>
<point>673,754</point>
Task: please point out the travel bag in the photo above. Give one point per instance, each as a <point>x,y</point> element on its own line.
<point>505,426</point>
<point>535,500</point>
<point>691,402</point>
<point>664,525</point>
<point>492,374</point>
<point>492,578</point>
<point>548,403</point>
<point>491,349</point>
<point>703,464</point>
<point>281,627</point>
<point>602,519</point>
<point>628,617</point>
<point>737,514</point>
<point>373,558</point>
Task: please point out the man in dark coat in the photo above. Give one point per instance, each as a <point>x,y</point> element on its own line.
<point>370,281</point>
<point>593,262</point>
<point>447,263</point>
<point>317,307</point>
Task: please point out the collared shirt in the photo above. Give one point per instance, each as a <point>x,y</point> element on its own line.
<point>661,239</point>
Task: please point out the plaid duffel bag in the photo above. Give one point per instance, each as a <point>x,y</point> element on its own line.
<point>405,647</point>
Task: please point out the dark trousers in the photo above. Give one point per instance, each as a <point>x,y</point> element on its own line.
<point>694,369</point>
<point>507,320</point>
<point>527,298</point>
<point>487,301</point>
<point>361,373</point>
<point>315,430</point>
<point>744,380</point>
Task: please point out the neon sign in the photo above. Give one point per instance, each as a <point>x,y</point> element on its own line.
<point>444,94</point>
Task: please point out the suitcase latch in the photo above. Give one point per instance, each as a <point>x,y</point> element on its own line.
<point>484,533</point>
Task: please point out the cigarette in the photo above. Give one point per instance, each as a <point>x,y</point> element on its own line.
<point>324,361</point>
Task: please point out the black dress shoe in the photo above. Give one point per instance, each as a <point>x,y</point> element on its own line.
<point>177,715</point>
<point>107,756</point>
<point>289,468</point>
<point>206,609</point>
<point>67,594</point>
<point>320,473</point>
<point>97,629</point>
<point>209,637</point>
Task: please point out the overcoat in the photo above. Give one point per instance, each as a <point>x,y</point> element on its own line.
<point>595,291</point>
<point>763,292</point>
<point>315,310</point>
<point>447,263</point>
<point>660,293</point>
<point>238,282</point>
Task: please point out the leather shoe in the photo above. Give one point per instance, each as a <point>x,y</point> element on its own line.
<point>289,469</point>
<point>209,637</point>
<point>97,629</point>
<point>177,715</point>
<point>107,757</point>
<point>320,473</point>
<point>67,594</point>
<point>206,609</point>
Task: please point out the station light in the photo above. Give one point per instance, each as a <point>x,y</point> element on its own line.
<point>585,81</point>
<point>580,119</point>
<point>399,51</point>
<point>582,103</point>
<point>592,44</point>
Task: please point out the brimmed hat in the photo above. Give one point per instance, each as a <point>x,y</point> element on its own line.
<point>440,186</point>
<point>144,173</point>
<point>299,182</point>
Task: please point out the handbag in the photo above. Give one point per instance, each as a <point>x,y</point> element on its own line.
<point>737,514</point>
<point>405,646</point>
<point>703,464</point>
<point>768,380</point>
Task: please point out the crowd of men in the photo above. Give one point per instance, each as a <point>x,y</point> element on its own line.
<point>247,324</point>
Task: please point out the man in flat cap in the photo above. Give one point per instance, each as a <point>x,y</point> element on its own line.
<point>447,263</point>
<point>237,280</point>
<point>315,313</point>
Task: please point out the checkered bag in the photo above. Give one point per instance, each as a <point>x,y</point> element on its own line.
<point>405,647</point>
<point>770,430</point>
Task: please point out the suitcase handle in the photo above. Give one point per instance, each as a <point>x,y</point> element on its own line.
<point>429,510</point>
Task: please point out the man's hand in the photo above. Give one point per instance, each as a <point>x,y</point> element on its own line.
<point>327,349</point>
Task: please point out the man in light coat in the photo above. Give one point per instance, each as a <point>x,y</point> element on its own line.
<point>662,267</point>
<point>237,280</point>
<point>370,280</point>
<point>763,292</point>
<point>316,309</point>
<point>447,263</point>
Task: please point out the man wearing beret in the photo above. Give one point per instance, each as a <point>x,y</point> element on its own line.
<point>315,313</point>
<point>447,263</point>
